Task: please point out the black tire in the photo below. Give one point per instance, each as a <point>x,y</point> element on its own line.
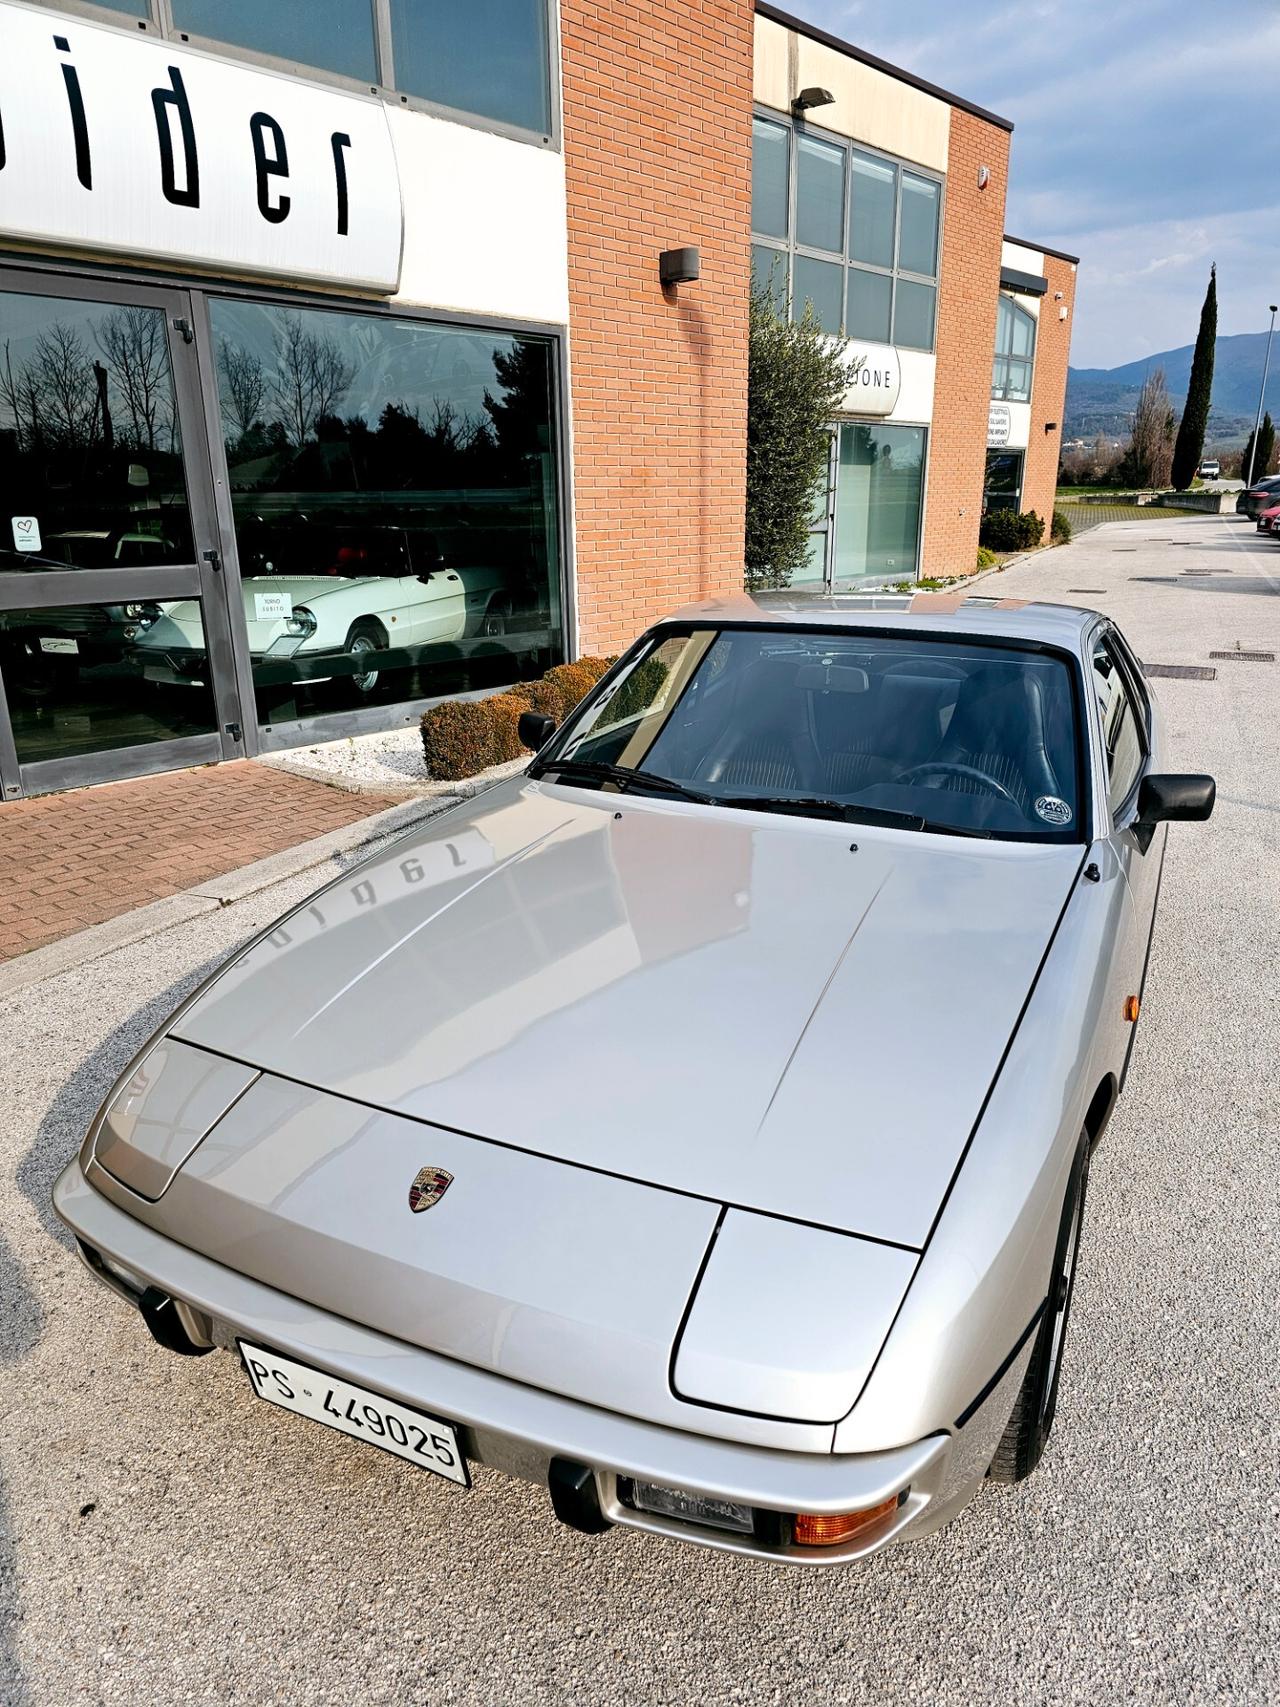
<point>495,620</point>
<point>363,637</point>
<point>1027,1432</point>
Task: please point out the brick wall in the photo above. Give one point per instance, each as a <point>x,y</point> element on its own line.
<point>1049,389</point>
<point>657,139</point>
<point>973,227</point>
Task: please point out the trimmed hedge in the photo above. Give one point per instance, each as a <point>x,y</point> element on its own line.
<point>463,737</point>
<point>1060,528</point>
<point>1010,530</point>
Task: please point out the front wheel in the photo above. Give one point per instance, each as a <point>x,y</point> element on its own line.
<point>365,640</point>
<point>1027,1432</point>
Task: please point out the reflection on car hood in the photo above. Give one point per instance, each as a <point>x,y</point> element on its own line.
<point>732,1005</point>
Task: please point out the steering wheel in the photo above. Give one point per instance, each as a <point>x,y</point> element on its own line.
<point>940,767</point>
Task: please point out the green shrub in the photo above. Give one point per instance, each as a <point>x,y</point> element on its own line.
<point>1010,530</point>
<point>1060,528</point>
<point>463,737</point>
<point>986,559</point>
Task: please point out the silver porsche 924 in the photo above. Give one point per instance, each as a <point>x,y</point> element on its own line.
<point>698,1123</point>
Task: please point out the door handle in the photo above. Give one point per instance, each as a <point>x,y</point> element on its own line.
<point>213,560</point>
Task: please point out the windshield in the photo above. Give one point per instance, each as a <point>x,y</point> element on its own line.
<point>936,733</point>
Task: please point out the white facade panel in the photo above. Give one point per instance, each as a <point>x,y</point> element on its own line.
<point>892,384</point>
<point>486,229</point>
<point>129,146</point>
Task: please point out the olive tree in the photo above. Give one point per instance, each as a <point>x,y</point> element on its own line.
<point>797,379</point>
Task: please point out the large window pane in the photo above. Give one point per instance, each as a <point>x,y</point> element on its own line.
<point>1018,382</point>
<point>87,678</point>
<point>822,284</point>
<point>90,455</point>
<point>871,204</point>
<point>769,268</point>
<point>867,315</point>
<point>878,498</point>
<point>135,8</point>
<point>918,239</point>
<point>335,35</point>
<point>482,56</point>
<point>769,155</point>
<point>913,315</point>
<point>394,489</point>
<point>819,194</point>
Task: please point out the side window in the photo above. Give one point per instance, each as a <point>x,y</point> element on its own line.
<point>1121,728</point>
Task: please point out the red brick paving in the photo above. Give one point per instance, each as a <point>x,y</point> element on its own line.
<point>72,860</point>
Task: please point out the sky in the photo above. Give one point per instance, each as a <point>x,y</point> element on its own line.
<point>1142,143</point>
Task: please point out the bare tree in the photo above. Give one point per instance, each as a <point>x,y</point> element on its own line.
<point>244,387</point>
<point>1149,456</point>
<point>311,376</point>
<point>63,388</point>
<point>134,344</point>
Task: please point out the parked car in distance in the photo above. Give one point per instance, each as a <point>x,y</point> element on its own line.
<point>1210,469</point>
<point>1265,517</point>
<point>698,1123</point>
<point>1257,496</point>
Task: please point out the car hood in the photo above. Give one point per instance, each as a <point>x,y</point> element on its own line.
<point>781,1014</point>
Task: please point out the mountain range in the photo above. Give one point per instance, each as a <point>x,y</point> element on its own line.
<point>1100,400</point>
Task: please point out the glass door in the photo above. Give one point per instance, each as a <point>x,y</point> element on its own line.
<point>814,573</point>
<point>115,641</point>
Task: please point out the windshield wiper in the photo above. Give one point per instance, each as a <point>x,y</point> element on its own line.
<point>592,770</point>
<point>845,811</point>
<point>849,812</point>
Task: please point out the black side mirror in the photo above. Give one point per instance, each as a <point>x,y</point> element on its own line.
<point>535,729</point>
<point>1173,799</point>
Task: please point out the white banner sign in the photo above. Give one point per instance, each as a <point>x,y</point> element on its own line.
<point>874,388</point>
<point>140,147</point>
<point>999,425</point>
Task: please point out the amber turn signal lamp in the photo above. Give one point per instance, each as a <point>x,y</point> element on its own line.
<point>813,1530</point>
<point>1132,1007</point>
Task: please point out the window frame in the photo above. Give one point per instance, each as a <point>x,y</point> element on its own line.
<point>1002,393</point>
<point>159,26</point>
<point>789,247</point>
<point>1139,707</point>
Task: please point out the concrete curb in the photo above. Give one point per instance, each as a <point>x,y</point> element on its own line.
<point>88,945</point>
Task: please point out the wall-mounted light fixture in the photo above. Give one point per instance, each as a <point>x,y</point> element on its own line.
<point>679,266</point>
<point>984,177</point>
<point>812,97</point>
<point>1058,295</point>
<point>1051,426</point>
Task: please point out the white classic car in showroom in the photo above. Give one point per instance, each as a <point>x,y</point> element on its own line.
<point>337,620</point>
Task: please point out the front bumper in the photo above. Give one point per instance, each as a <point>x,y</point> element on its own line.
<point>516,1428</point>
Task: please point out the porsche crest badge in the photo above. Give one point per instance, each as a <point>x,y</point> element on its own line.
<point>429,1186</point>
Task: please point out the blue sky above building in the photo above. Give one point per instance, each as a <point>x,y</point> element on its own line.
<point>1141,144</point>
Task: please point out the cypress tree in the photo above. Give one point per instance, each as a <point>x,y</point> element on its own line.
<point>1265,453</point>
<point>1195,414</point>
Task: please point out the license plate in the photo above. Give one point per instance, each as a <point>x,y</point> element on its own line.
<point>56,645</point>
<point>411,1435</point>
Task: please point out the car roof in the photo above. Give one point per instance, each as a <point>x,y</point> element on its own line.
<point>951,612</point>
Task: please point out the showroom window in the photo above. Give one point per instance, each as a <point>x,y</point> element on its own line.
<point>394,487</point>
<point>853,232</point>
<point>485,59</point>
<point>1015,352</point>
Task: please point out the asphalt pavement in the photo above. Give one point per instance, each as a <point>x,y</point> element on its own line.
<point>164,1537</point>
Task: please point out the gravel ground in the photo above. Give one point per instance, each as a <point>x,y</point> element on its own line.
<point>390,759</point>
<point>170,1539</point>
